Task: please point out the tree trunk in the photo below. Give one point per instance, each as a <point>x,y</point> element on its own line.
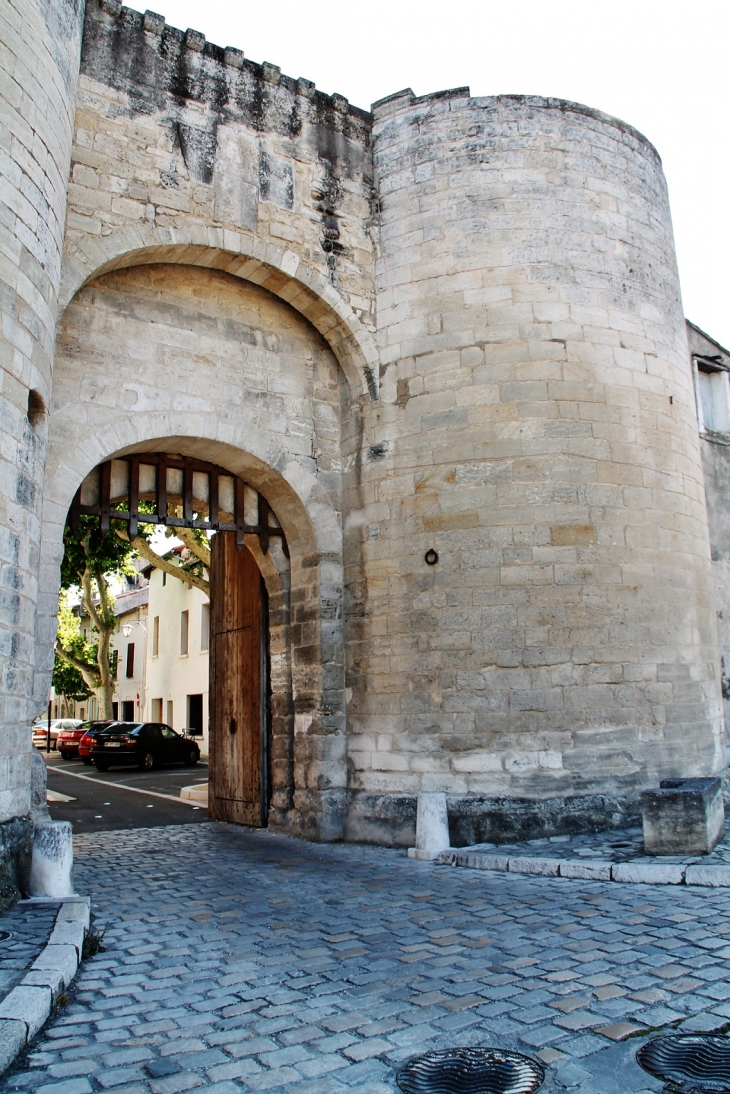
<point>105,689</point>
<point>104,620</point>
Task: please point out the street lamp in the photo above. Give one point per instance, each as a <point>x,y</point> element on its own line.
<point>126,628</point>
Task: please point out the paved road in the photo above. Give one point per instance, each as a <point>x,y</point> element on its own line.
<point>99,806</point>
<point>245,961</point>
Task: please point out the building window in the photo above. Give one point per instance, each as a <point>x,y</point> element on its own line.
<point>130,660</point>
<point>156,637</point>
<point>195,715</point>
<point>156,710</point>
<point>170,713</point>
<point>205,629</point>
<point>714,405</point>
<point>115,663</point>
<point>128,710</point>
<point>184,632</point>
<point>115,712</point>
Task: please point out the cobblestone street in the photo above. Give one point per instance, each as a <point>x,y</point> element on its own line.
<point>246,961</point>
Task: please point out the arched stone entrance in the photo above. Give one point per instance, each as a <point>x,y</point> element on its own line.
<point>194,362</point>
<point>162,490</point>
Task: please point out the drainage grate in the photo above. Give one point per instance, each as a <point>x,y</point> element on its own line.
<point>689,1062</point>
<point>471,1071</point>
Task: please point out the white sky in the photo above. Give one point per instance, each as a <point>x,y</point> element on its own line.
<point>662,66</point>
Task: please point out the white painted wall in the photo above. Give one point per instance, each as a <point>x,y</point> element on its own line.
<point>173,675</point>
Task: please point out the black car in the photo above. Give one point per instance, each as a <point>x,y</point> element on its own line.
<point>143,744</point>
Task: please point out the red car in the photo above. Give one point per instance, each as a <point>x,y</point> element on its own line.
<point>79,741</point>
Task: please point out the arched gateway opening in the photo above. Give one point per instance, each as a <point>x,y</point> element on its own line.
<point>192,364</point>
<point>170,491</point>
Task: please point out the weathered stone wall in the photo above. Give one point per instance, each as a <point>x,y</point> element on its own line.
<point>176,135</point>
<point>537,428</point>
<point>716,465</point>
<point>178,358</point>
<point>189,154</point>
<point>39,50</point>
<point>495,279</point>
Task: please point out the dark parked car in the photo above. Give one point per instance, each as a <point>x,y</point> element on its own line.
<point>86,742</point>
<point>144,744</point>
<point>69,740</point>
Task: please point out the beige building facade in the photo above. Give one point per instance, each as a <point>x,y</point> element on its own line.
<point>177,648</point>
<point>450,326</point>
<point>128,647</point>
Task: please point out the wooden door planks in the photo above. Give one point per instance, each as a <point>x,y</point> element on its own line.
<point>236,730</point>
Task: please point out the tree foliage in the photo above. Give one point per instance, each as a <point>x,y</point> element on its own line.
<point>91,559</point>
<point>90,563</point>
<point>69,682</point>
<point>67,679</point>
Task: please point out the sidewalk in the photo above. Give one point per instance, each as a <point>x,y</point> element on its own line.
<point>41,944</point>
<point>247,961</point>
<point>600,856</point>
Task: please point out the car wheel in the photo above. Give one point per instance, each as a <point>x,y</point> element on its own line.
<point>101,765</point>
<point>86,761</point>
<point>67,755</point>
<point>146,762</point>
<point>192,758</point>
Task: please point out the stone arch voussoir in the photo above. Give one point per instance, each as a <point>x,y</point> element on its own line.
<point>279,270</point>
<point>312,530</point>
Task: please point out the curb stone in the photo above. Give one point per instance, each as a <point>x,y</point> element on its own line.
<point>25,1009</point>
<point>626,873</point>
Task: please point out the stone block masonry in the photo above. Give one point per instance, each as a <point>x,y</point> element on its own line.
<point>539,432</point>
<point>683,817</point>
<point>39,59</point>
<point>451,324</point>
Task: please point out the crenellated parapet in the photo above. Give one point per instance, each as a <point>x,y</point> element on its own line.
<point>236,143</point>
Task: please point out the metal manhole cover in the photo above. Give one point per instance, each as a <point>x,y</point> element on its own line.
<point>471,1071</point>
<point>689,1062</point>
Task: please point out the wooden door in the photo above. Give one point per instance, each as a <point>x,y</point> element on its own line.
<point>237,730</point>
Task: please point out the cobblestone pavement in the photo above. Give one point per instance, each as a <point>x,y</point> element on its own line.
<point>28,926</point>
<point>245,961</point>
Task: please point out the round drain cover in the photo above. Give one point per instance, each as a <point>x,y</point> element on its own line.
<point>691,1061</point>
<point>471,1071</point>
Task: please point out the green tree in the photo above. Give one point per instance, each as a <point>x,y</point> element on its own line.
<point>67,679</point>
<point>91,561</point>
<point>191,567</point>
<point>69,682</point>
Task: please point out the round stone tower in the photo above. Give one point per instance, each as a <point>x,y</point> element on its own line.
<point>40,42</point>
<point>538,430</point>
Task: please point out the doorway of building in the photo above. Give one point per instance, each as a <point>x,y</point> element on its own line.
<point>194,721</point>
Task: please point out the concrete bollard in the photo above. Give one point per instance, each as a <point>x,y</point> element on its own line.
<point>51,869</point>
<point>38,786</point>
<point>432,828</point>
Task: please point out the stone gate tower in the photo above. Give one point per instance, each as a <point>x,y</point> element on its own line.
<point>451,325</point>
<point>539,431</point>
